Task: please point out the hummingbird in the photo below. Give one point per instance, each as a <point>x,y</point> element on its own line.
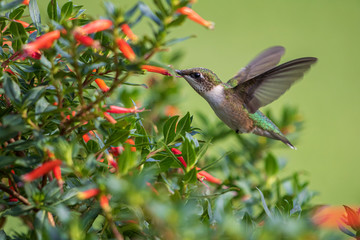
<point>261,82</point>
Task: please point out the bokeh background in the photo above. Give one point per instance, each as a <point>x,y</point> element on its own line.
<point>328,97</point>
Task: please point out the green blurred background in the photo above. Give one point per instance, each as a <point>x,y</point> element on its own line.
<point>326,97</point>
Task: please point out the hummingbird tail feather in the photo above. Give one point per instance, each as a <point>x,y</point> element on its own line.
<point>274,135</point>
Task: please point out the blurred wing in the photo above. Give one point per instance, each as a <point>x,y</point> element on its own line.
<point>262,63</point>
<point>267,87</point>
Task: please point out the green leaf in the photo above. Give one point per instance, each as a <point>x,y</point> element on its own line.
<point>146,11</point>
<point>172,155</point>
<point>17,13</point>
<point>19,35</point>
<point>16,211</point>
<point>7,6</point>
<point>183,125</point>
<point>203,150</point>
<point>52,10</point>
<point>169,129</point>
<point>266,209</point>
<point>66,11</point>
<point>188,153</point>
<point>5,161</point>
<point>271,165</point>
<point>32,96</point>
<point>117,137</point>
<point>12,124</point>
<point>12,90</point>
<point>35,14</point>
<point>92,146</point>
<point>89,217</point>
<point>191,176</point>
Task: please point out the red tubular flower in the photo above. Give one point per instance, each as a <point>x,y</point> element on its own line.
<point>26,2</point>
<point>57,173</point>
<point>116,109</point>
<point>116,151</point>
<point>25,24</point>
<point>102,85</point>
<point>154,69</point>
<point>104,203</point>
<point>43,42</point>
<point>41,171</point>
<point>126,49</point>
<point>181,159</point>
<point>87,41</point>
<point>88,193</point>
<point>86,137</point>
<point>109,118</point>
<point>131,142</point>
<point>96,26</point>
<point>208,177</point>
<point>192,15</point>
<point>126,29</point>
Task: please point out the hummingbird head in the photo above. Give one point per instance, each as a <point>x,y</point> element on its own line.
<point>201,80</point>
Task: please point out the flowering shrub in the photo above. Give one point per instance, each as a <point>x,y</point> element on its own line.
<point>89,151</point>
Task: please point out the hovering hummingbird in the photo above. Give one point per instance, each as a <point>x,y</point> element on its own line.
<point>261,82</point>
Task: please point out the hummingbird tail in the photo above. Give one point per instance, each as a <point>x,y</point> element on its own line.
<point>274,135</point>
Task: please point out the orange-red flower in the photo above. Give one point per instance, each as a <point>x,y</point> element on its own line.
<point>104,203</point>
<point>57,173</point>
<point>208,177</point>
<point>116,109</point>
<point>171,110</point>
<point>116,151</point>
<point>26,2</point>
<point>155,69</point>
<point>192,15</point>
<point>126,49</point>
<point>96,26</point>
<point>25,24</point>
<point>109,118</point>
<point>43,42</point>
<point>102,85</point>
<point>88,136</point>
<point>86,40</point>
<point>335,216</point>
<point>352,218</point>
<point>181,159</point>
<point>131,142</point>
<point>41,171</point>
<point>88,193</point>
<point>126,29</point>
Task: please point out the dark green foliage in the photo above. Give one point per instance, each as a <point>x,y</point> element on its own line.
<point>51,108</point>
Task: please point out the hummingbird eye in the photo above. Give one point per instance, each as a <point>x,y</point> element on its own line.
<point>195,75</point>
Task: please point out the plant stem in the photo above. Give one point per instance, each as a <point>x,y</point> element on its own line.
<point>15,194</point>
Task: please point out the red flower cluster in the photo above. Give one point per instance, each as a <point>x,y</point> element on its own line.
<point>43,42</point>
<point>41,170</point>
<point>202,175</point>
<point>81,33</point>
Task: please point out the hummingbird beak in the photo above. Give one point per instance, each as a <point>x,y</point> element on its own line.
<point>179,72</point>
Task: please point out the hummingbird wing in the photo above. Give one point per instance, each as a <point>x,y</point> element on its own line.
<point>270,85</point>
<point>266,60</point>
